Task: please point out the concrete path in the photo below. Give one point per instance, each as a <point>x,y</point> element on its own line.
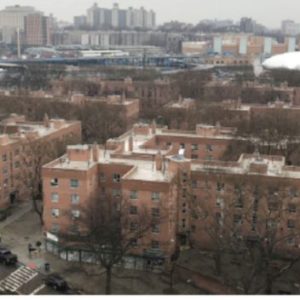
<point>17,213</point>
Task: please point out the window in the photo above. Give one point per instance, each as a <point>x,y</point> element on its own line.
<point>4,157</point>
<point>75,214</point>
<point>116,192</point>
<point>293,192</point>
<point>55,212</point>
<point>155,244</point>
<point>133,226</point>
<point>133,210</point>
<point>54,182</point>
<point>155,196</point>
<point>55,228</point>
<point>220,187</point>
<point>54,197</point>
<point>194,156</point>
<point>220,202</point>
<point>194,184</point>
<point>155,212</point>
<point>291,242</point>
<point>75,199</point>
<point>183,224</point>
<point>17,164</point>
<point>194,147</point>
<point>4,170</point>
<point>209,148</point>
<point>169,144</point>
<point>183,193</point>
<point>102,177</point>
<point>74,183</point>
<point>103,190</point>
<point>237,219</point>
<point>182,146</point>
<point>273,204</point>
<point>74,229</point>
<point>291,224</point>
<point>271,224</point>
<point>155,228</point>
<point>134,242</point>
<point>184,177</point>
<point>292,208</point>
<point>239,203</point>
<point>133,195</point>
<point>116,177</point>
<point>17,151</point>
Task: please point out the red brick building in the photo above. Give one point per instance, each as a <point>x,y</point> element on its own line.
<point>177,175</point>
<point>17,134</point>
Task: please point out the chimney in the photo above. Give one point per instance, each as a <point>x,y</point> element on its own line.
<point>95,152</point>
<point>130,144</point>
<point>158,161</point>
<point>218,128</point>
<point>123,97</point>
<point>46,121</point>
<point>153,127</point>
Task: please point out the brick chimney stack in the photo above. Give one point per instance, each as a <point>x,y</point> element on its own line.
<point>130,142</point>
<point>153,127</point>
<point>158,161</point>
<point>95,152</point>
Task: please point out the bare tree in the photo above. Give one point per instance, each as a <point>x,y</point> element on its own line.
<point>246,230</point>
<point>33,155</point>
<point>108,230</point>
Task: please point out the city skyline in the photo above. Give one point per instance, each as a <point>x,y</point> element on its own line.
<point>191,11</point>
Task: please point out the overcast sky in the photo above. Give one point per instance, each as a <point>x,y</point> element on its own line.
<point>268,12</point>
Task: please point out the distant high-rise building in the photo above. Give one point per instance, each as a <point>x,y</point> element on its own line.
<point>80,21</point>
<point>247,25</point>
<point>291,44</point>
<point>243,45</point>
<point>14,16</point>
<point>268,45</point>
<point>217,45</point>
<point>289,27</point>
<point>116,18</point>
<point>38,30</point>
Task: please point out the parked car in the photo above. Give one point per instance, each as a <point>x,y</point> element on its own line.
<point>56,282</point>
<point>7,257</point>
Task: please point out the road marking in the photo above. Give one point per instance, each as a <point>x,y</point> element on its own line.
<point>38,289</point>
<point>16,279</point>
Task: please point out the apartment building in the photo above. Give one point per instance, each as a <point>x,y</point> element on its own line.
<point>38,30</point>
<point>145,167</point>
<point>142,165</point>
<point>152,94</point>
<point>128,108</point>
<point>103,18</point>
<point>16,139</point>
<point>256,197</point>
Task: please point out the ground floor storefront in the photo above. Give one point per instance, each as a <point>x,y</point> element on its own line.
<point>147,262</point>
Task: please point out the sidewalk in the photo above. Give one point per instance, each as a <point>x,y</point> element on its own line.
<point>17,213</point>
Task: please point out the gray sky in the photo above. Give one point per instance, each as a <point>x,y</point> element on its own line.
<point>268,12</point>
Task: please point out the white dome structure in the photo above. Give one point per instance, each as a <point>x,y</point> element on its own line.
<point>289,61</point>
